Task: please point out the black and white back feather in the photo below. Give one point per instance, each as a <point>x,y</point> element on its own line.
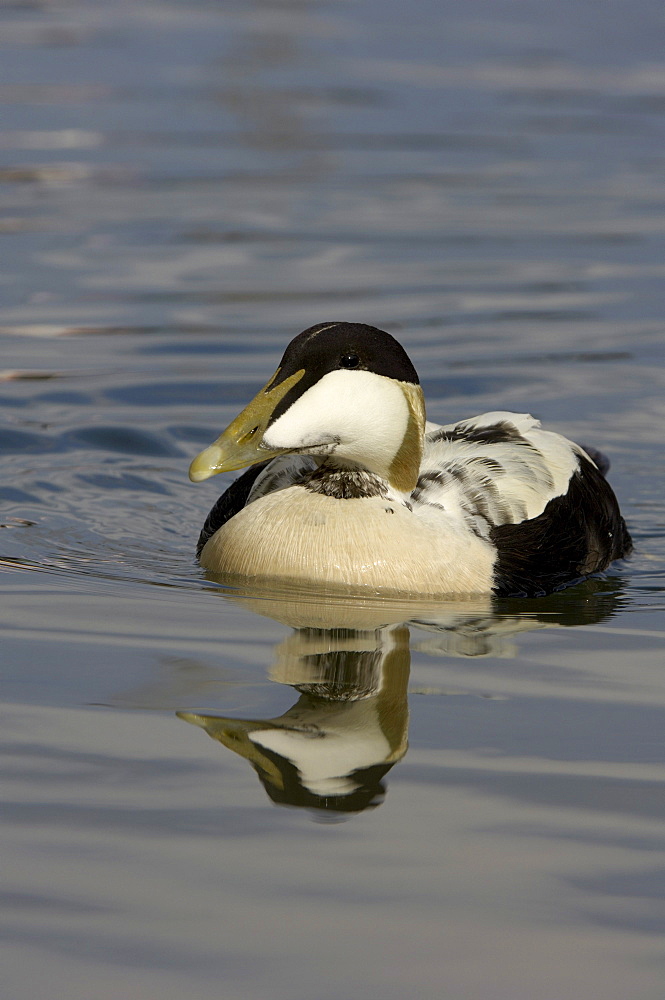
<point>540,499</point>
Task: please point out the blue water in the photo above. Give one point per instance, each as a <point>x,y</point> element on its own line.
<point>183,188</point>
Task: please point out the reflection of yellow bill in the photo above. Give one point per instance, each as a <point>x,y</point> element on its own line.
<point>234,734</point>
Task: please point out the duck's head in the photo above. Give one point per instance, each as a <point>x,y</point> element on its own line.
<point>342,389</point>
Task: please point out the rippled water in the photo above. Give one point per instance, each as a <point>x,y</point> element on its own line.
<point>461,800</point>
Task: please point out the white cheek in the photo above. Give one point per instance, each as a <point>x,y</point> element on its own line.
<point>364,414</point>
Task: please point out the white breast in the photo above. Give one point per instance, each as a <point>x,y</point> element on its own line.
<point>296,536</point>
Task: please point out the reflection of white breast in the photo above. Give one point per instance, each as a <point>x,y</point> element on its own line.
<point>326,757</point>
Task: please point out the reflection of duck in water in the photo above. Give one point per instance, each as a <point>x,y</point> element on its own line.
<point>347,729</point>
<point>349,726</point>
<point>351,488</point>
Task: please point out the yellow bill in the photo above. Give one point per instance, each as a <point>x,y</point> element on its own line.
<point>241,443</point>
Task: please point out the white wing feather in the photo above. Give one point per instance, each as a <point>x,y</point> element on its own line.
<point>496,468</point>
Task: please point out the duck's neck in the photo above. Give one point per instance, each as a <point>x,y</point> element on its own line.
<point>344,481</point>
<point>373,470</point>
<point>405,467</point>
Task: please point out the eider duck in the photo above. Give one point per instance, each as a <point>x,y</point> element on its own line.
<point>351,489</point>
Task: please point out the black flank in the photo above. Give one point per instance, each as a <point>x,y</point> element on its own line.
<point>577,534</point>
<point>230,502</point>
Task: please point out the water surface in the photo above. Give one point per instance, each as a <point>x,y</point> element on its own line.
<point>397,799</point>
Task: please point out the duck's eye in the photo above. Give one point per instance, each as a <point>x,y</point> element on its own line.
<point>349,361</point>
